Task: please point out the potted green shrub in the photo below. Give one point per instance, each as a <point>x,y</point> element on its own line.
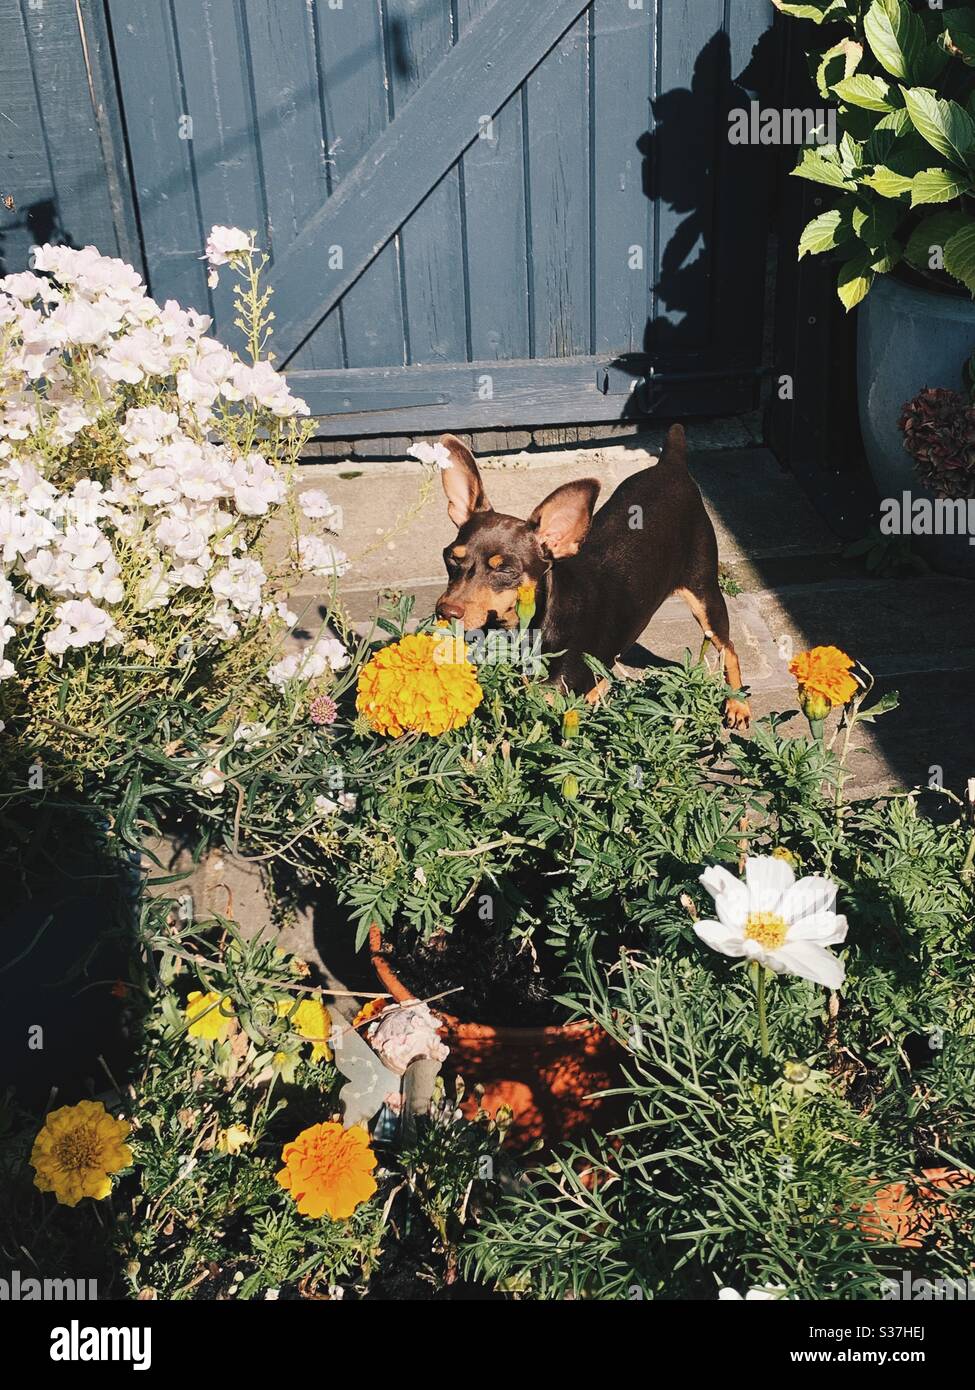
<point>901,179</point>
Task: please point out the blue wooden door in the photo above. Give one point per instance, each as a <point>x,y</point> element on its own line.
<point>480,212</point>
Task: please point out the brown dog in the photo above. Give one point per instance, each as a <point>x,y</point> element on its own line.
<point>598,580</point>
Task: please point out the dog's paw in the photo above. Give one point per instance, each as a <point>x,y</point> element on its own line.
<point>737,715</point>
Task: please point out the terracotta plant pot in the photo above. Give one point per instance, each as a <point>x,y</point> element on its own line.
<point>894,1212</point>
<point>545,1075</point>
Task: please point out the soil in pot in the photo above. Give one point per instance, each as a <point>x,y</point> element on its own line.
<point>525,1057</point>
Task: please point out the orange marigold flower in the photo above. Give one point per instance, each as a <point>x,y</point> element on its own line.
<point>825,672</point>
<point>328,1170</point>
<point>368,1011</point>
<point>421,683</point>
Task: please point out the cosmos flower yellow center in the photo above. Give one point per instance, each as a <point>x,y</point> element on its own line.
<point>767,928</point>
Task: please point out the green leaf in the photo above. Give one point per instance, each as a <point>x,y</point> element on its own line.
<point>933,234</point>
<point>960,256</point>
<point>896,37</point>
<point>822,166</point>
<point>888,182</point>
<point>824,232</point>
<point>872,93</point>
<point>851,154</point>
<point>944,124</point>
<point>891,255</point>
<point>855,279</point>
<point>937,186</point>
<point>816,10</point>
<point>875,222</point>
<point>838,63</point>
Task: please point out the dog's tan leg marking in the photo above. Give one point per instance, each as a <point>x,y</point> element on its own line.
<point>596,694</point>
<point>713,619</point>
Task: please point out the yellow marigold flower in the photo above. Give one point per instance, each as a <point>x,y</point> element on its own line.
<point>570,723</point>
<point>232,1139</point>
<point>421,683</point>
<point>209,1015</point>
<point>328,1170</point>
<point>78,1150</point>
<point>313,1021</point>
<point>525,603</point>
<point>823,674</point>
<point>285,1064</point>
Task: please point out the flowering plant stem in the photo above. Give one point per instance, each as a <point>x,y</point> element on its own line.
<point>760,974</point>
<point>968,868</point>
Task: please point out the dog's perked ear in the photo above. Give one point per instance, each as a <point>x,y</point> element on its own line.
<point>563,519</point>
<point>462,482</point>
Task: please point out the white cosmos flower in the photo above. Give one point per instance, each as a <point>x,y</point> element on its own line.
<point>770,917</point>
<point>212,781</point>
<point>768,1294</point>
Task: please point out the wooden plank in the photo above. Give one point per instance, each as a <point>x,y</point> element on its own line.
<point>225,155</point>
<point>431,240</point>
<point>693,63</point>
<point>493,173</point>
<point>353,88</point>
<point>623,251</point>
<point>161,147</point>
<point>283,58</point>
<point>81,203</point>
<point>25,170</point>
<point>564,391</point>
<point>96,40</point>
<point>476,77</point>
<point>559,179</point>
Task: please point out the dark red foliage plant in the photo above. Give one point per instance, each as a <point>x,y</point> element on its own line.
<point>939,434</point>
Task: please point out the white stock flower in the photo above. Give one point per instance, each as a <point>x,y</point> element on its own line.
<point>80,624</point>
<point>324,806</point>
<point>327,653</point>
<point>771,918</point>
<point>176,515</point>
<point>257,485</point>
<point>321,558</point>
<point>224,243</point>
<point>435,454</point>
<point>316,506</point>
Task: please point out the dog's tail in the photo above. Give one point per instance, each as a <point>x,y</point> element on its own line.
<point>675,449</point>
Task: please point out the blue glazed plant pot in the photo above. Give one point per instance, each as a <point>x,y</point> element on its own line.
<point>910,339</point>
